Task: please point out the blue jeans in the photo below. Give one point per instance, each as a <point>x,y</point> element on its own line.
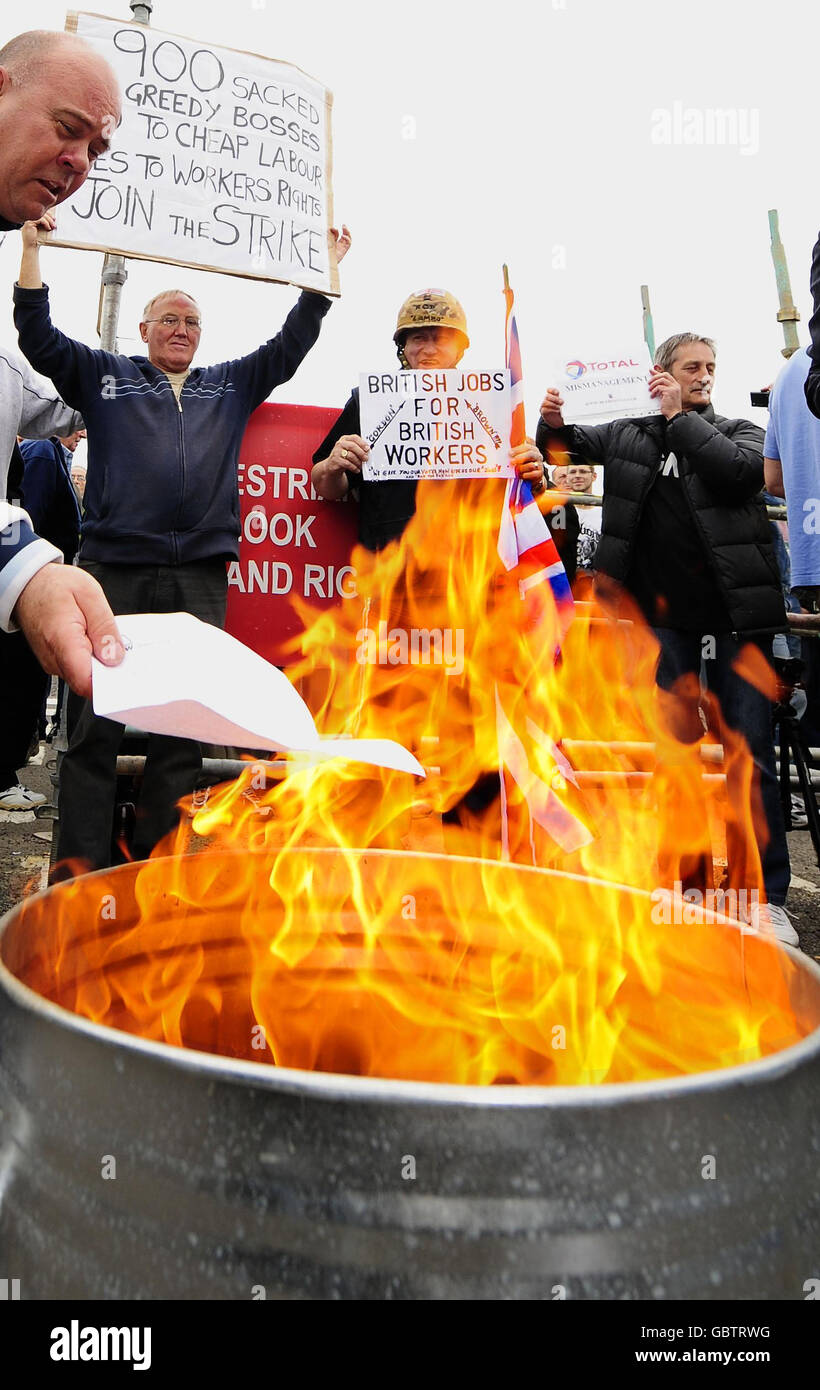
<point>742,708</point>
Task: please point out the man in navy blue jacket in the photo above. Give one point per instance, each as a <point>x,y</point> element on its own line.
<point>161,509</point>
<point>48,493</point>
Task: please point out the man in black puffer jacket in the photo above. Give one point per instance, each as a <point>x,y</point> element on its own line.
<point>684,533</point>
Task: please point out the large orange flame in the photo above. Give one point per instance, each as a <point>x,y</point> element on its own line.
<point>294,940</point>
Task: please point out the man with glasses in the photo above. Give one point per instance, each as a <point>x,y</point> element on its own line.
<point>161,510</point>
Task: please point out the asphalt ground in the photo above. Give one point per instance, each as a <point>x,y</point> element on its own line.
<point>25,847</point>
<point>25,838</point>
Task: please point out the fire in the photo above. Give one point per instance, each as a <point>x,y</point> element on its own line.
<point>359,921</point>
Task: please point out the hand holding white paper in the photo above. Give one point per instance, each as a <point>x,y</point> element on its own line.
<point>184,677</point>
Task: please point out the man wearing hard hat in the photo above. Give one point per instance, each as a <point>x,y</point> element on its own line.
<point>431,332</point>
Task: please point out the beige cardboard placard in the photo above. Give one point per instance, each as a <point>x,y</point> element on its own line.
<point>436,423</point>
<point>222,161</point>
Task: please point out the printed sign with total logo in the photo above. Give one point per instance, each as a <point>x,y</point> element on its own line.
<point>609,386</point>
<point>436,424</point>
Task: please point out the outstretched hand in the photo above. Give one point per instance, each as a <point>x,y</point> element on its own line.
<point>65,617</point>
<point>342,240</point>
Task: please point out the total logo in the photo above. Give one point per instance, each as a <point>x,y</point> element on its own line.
<point>576,369</point>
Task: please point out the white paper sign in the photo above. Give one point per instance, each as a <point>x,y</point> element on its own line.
<point>436,424</point>
<point>613,386</point>
<point>184,677</point>
<point>222,161</point>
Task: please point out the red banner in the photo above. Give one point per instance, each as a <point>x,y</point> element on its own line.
<point>293,544</point>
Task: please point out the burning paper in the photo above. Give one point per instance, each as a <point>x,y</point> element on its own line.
<point>184,677</point>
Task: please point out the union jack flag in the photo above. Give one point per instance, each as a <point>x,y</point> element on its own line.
<point>527,754</point>
<point>525,542</point>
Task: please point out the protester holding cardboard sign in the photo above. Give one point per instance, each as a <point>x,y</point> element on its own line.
<point>160,545</point>
<point>222,160</point>
<point>431,334</point>
<point>685,540</point>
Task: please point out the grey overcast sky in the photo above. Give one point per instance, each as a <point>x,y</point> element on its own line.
<point>530,132</point>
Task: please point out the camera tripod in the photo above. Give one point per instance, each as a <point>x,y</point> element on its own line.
<point>792,749</point>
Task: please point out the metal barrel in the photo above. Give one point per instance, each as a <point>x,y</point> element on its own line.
<point>239,1180</point>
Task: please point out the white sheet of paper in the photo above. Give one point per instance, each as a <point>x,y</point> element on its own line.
<point>184,677</point>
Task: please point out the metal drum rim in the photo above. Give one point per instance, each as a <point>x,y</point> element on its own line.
<point>335,1086</point>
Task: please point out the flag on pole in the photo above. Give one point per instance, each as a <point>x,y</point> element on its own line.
<point>512,358</point>
<point>525,543</point>
<point>527,755</point>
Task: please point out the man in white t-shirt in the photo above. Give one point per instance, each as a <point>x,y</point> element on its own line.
<point>581,478</point>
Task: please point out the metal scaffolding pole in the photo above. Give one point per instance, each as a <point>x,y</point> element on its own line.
<point>648,326</point>
<point>788,315</point>
<point>114,271</point>
<point>113,277</point>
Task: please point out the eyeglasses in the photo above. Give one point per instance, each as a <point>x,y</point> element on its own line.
<point>173,320</point>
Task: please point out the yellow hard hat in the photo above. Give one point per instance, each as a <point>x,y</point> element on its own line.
<point>431,309</point>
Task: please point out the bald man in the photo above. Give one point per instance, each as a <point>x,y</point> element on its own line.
<point>59,105</point>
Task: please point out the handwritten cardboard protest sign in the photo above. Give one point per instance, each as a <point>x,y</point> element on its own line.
<point>222,161</point>
<point>610,386</point>
<point>436,424</point>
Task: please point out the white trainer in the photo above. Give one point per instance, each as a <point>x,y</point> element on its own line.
<point>20,799</point>
<point>774,918</point>
<point>800,818</point>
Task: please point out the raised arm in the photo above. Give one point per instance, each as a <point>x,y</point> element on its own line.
<point>552,436</point>
<point>72,366</point>
<point>277,359</point>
